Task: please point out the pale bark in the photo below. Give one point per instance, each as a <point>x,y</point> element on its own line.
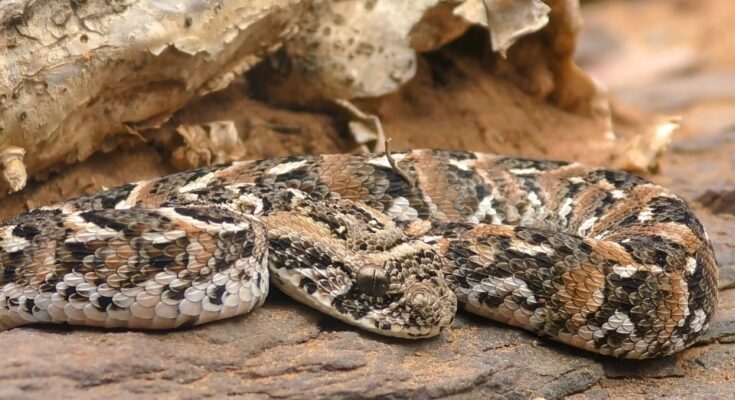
<point>79,77</point>
<point>74,74</point>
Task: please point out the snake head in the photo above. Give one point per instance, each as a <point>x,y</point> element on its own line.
<point>353,263</point>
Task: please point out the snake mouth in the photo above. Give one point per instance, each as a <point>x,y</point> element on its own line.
<point>424,310</point>
<point>398,293</point>
<point>404,332</point>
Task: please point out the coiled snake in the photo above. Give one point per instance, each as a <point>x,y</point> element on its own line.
<point>598,259</point>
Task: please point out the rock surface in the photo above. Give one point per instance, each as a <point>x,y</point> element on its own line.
<point>286,350</point>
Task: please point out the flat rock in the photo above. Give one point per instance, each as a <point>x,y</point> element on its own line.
<point>286,350</point>
<point>720,202</point>
<point>722,329</point>
<point>658,368</point>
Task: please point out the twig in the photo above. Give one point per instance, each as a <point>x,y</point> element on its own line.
<point>411,181</point>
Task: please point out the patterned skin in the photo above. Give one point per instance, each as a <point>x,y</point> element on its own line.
<point>598,259</point>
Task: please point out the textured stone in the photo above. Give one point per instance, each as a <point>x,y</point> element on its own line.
<point>719,202</point>
<point>722,329</point>
<point>657,368</point>
<point>286,350</point>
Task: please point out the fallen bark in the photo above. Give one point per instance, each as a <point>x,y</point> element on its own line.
<point>79,77</point>
<point>83,77</point>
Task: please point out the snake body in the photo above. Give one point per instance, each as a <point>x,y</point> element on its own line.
<point>598,259</point>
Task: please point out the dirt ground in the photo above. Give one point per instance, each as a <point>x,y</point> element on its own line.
<point>662,56</point>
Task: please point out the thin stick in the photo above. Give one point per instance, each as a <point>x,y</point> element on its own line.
<point>411,181</point>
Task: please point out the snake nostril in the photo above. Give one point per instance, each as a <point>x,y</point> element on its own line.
<point>421,295</point>
<point>420,299</point>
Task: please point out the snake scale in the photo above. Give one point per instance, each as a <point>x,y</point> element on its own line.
<point>393,243</point>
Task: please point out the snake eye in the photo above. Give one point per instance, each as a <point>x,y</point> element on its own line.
<point>372,280</point>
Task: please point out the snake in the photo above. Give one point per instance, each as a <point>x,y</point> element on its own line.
<point>393,243</point>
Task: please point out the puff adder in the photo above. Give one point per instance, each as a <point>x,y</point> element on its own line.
<point>597,259</point>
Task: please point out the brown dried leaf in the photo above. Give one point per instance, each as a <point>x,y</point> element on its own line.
<point>207,144</point>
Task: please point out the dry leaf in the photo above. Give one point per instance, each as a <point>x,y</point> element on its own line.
<point>207,144</point>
